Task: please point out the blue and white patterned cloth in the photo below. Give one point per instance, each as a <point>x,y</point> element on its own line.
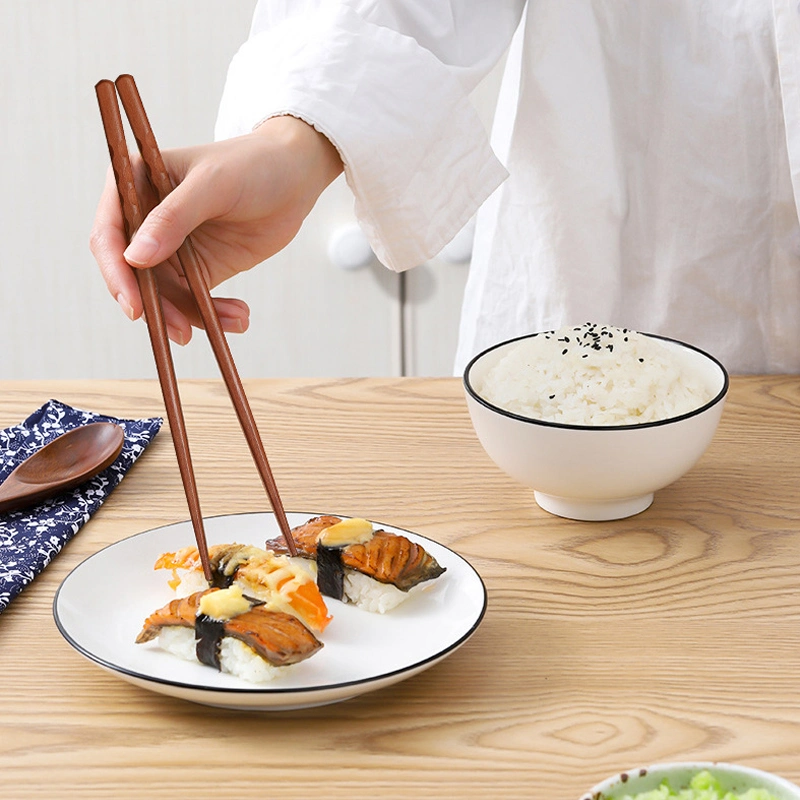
<point>30,538</point>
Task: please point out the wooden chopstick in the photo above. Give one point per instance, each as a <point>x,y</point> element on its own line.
<point>162,183</point>
<point>134,215</point>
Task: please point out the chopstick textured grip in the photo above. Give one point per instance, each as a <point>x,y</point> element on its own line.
<point>133,214</point>
<point>143,133</point>
<point>120,159</point>
<point>162,183</point>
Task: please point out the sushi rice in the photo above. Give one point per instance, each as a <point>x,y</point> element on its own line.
<point>376,597</point>
<point>235,657</point>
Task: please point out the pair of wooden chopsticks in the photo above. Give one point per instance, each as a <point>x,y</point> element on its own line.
<point>134,215</point>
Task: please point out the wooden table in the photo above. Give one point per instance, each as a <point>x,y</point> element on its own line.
<point>673,635</point>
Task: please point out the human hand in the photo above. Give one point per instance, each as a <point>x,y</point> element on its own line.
<point>242,199</point>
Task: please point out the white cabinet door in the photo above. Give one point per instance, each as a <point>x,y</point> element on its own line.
<point>312,318</point>
<point>308,318</point>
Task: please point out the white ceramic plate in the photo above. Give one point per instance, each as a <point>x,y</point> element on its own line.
<point>102,603</point>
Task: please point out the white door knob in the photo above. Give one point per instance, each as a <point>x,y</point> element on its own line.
<point>348,248</point>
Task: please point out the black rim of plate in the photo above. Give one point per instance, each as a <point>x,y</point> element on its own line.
<point>635,426</point>
<point>264,690</point>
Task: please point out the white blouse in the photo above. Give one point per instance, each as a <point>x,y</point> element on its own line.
<point>644,169</point>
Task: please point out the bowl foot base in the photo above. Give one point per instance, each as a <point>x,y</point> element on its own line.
<point>593,510</point>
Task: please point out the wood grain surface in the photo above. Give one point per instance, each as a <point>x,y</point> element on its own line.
<point>672,635</point>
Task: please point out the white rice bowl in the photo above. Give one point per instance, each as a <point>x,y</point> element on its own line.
<point>592,375</point>
<point>595,436</point>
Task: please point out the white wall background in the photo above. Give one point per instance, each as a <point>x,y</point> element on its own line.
<point>309,318</point>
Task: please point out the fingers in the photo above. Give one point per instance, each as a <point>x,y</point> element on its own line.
<point>155,243</point>
<point>234,314</point>
<point>164,229</point>
<point>107,241</point>
<point>180,314</point>
<point>179,328</point>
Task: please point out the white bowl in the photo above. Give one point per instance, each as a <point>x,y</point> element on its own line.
<point>596,472</point>
<point>731,777</point>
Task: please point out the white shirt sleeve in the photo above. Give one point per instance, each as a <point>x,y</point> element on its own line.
<point>387,81</point>
<point>787,35</point>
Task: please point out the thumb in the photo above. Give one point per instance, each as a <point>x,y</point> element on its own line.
<point>166,226</point>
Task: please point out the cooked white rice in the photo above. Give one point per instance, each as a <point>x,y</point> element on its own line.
<point>192,580</point>
<point>235,656</point>
<point>592,375</point>
<point>374,596</point>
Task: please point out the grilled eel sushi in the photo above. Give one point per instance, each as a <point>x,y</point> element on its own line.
<point>231,633</point>
<point>279,582</point>
<point>373,569</point>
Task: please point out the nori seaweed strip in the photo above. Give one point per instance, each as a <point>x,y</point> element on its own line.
<point>330,572</point>
<point>220,580</point>
<point>208,633</point>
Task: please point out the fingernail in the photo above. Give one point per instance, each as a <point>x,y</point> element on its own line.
<point>232,324</point>
<point>125,305</point>
<point>176,335</point>
<point>141,250</point>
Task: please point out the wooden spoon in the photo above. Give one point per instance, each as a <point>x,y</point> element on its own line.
<point>63,464</point>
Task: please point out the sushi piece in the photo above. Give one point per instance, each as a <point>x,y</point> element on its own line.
<point>279,582</point>
<point>374,569</point>
<point>226,630</point>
